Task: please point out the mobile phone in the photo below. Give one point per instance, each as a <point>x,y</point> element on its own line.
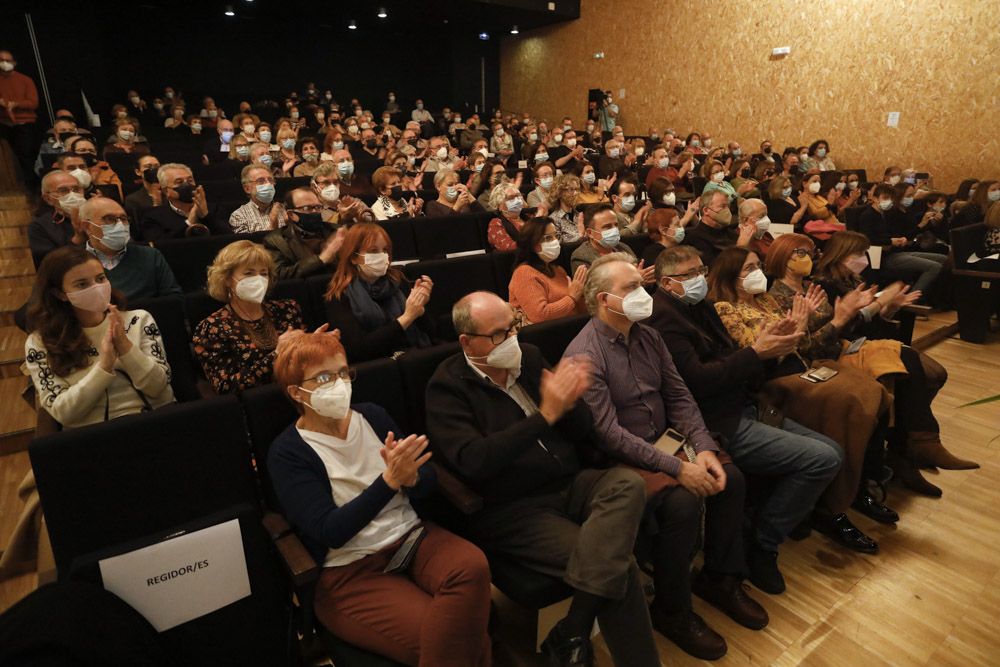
<point>821,374</point>
<point>921,176</point>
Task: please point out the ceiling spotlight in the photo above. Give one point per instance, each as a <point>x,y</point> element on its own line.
<point>514,30</point>
<point>353,25</point>
<point>382,13</point>
<point>484,36</point>
<point>229,11</point>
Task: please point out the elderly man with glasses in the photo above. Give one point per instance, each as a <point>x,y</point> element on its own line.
<point>261,213</point>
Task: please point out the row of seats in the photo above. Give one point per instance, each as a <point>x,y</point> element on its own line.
<point>118,486</point>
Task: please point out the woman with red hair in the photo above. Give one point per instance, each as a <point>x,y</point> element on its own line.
<point>344,480</point>
<point>367,298</point>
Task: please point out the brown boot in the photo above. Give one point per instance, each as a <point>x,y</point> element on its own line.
<point>906,473</point>
<point>924,448</point>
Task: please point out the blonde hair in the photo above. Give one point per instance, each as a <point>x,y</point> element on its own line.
<point>230,258</point>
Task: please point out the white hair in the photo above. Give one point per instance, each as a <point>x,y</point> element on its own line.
<point>161,174</point>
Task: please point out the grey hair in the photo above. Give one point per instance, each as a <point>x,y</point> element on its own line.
<point>161,174</point>
<point>443,174</point>
<point>749,206</point>
<point>49,177</point>
<point>245,172</point>
<point>499,194</point>
<point>668,260</point>
<point>599,278</point>
<point>708,195</point>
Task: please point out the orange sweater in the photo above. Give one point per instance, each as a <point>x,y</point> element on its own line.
<point>541,298</point>
<point>21,89</point>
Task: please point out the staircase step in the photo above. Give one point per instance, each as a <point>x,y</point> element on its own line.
<point>18,218</point>
<point>17,418</point>
<point>14,237</point>
<point>11,346</point>
<point>15,254</point>
<point>10,268</point>
<point>14,201</point>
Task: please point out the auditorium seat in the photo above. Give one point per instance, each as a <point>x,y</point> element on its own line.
<point>404,245</point>
<point>111,488</point>
<point>503,267</point>
<point>284,185</point>
<point>637,242</point>
<point>554,336</point>
<point>977,288</point>
<point>437,237</point>
<point>189,258</point>
<point>453,279</point>
<point>168,311</point>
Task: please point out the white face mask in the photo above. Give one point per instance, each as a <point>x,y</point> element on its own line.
<point>856,264</point>
<point>330,193</point>
<point>82,176</point>
<point>94,299</point>
<point>718,176</point>
<point>762,226</point>
<point>613,153</point>
<point>331,400</point>
<point>252,289</point>
<point>663,163</point>
<point>628,203</point>
<point>545,182</point>
<point>853,185</point>
<point>589,178</point>
<point>814,187</point>
<point>506,355</point>
<point>71,201</point>
<point>636,305</point>
<point>376,264</point>
<point>640,150</point>
<point>6,66</point>
<point>755,282</point>
<point>894,180</point>
<point>442,153</point>
<point>549,250</point>
<point>670,198</point>
<point>557,138</point>
<point>571,143</point>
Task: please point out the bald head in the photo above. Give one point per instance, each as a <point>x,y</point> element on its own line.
<point>96,208</point>
<point>752,209</point>
<point>479,310</point>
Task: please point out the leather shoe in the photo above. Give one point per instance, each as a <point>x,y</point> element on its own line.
<point>871,508</point>
<point>840,529</point>
<point>764,572</point>
<point>729,594</point>
<point>689,631</point>
<point>924,448</point>
<point>565,651</point>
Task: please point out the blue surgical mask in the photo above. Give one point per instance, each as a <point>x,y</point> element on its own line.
<point>610,238</point>
<point>265,192</point>
<point>515,205</point>
<point>451,194</point>
<point>227,136</point>
<point>265,160</point>
<point>907,202</point>
<point>545,182</point>
<point>346,169</point>
<point>115,236</point>
<point>679,234</point>
<point>288,144</point>
<point>695,289</point>
<point>265,136</point>
<point>787,192</point>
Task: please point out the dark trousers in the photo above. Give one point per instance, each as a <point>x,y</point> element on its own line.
<point>433,615</point>
<point>677,514</point>
<point>22,141</point>
<point>585,535</point>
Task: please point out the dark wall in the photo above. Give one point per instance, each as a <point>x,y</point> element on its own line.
<point>105,53</point>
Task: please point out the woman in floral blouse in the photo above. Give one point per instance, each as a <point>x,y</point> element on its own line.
<point>236,344</point>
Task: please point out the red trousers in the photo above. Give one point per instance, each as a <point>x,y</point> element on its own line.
<point>434,615</point>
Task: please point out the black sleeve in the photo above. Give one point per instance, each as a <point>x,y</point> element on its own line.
<point>708,378</point>
<point>872,225</point>
<point>152,229</point>
<point>360,344</point>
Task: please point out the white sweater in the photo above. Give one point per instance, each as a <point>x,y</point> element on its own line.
<point>83,396</point>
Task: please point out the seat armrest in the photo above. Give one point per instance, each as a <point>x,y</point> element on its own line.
<point>456,492</point>
<point>299,564</point>
<point>917,309</point>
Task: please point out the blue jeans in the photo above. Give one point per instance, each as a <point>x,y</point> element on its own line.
<point>924,265</point>
<point>804,461</point>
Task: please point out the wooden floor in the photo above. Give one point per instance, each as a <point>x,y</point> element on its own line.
<point>929,598</point>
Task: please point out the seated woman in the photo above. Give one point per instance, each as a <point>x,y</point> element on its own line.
<point>915,440</point>
<point>494,174</point>
<point>592,189</point>
<point>89,361</point>
<point>366,298</point>
<point>126,140</point>
<point>683,172</point>
<point>539,287</point>
<point>310,157</point>
<point>821,222</point>
<point>849,194</point>
<point>664,224</point>
<point>503,230</point>
<point>387,182</point>
<point>781,208</point>
<point>453,197</point>
<point>819,157</point>
<point>980,199</point>
<point>345,481</point>
<point>100,171</point>
<point>966,190</point>
<point>235,345</point>
<point>563,198</point>
<point>849,407</point>
<point>715,173</point>
<point>287,159</point>
<point>544,178</point>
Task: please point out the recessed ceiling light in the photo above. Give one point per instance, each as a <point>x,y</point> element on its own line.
<point>229,11</point>
<point>382,13</point>
<point>484,36</point>
<point>353,25</point>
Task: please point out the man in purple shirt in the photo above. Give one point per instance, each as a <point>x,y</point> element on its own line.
<point>636,394</point>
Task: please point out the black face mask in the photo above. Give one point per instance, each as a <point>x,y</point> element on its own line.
<point>767,151</point>
<point>371,144</point>
<point>149,175</point>
<point>88,159</point>
<point>185,193</point>
<point>311,224</point>
<point>396,192</point>
<point>61,137</point>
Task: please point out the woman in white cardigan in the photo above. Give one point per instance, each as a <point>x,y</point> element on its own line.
<point>90,361</point>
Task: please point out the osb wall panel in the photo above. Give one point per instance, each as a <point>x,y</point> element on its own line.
<point>689,64</point>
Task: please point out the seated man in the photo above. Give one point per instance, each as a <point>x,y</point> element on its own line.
<point>754,212</point>
<point>351,182</point>
<point>716,232</point>
<point>148,197</point>
<point>185,212</point>
<point>631,221</point>
<point>636,395</point>
<point>53,145</point>
<point>136,270</point>
<point>217,147</point>
<point>514,431</point>
<point>56,224</point>
<point>721,377</point>
<point>601,237</point>
<point>307,246</point>
<point>261,213</point>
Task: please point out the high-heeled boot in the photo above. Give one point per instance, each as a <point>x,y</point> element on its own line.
<point>924,448</point>
<point>906,473</point>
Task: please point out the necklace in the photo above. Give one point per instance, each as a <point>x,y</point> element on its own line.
<point>261,331</point>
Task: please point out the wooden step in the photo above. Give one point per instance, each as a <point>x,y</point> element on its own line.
<point>13,237</point>
<point>18,218</point>
<point>15,254</point>
<point>11,351</point>
<point>12,298</point>
<point>21,266</point>
<point>17,282</point>
<point>17,418</point>
<point>12,201</point>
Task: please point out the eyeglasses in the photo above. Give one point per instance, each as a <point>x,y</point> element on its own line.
<point>318,208</point>
<point>799,253</point>
<point>347,374</point>
<point>262,181</point>
<point>111,219</point>
<point>693,273</point>
<point>65,190</point>
<point>501,336</point>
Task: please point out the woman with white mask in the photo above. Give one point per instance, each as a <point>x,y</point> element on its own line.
<point>539,286</point>
<point>368,300</point>
<point>236,344</point>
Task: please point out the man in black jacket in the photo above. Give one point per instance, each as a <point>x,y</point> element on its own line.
<point>185,211</point>
<point>512,430</point>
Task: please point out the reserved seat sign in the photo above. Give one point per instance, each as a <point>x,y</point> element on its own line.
<point>182,578</point>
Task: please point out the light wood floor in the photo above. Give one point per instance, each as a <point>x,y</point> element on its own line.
<point>927,599</point>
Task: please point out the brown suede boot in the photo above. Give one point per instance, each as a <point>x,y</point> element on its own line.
<point>906,473</point>
<point>924,448</point>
